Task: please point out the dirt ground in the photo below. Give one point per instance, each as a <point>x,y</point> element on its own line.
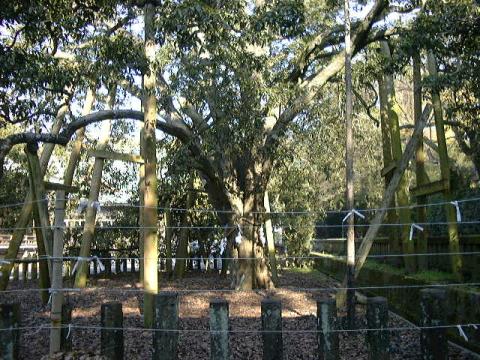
<point>298,312</point>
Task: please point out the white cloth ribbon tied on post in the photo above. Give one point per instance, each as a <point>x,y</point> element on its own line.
<point>462,333</point>
<point>351,213</point>
<point>96,205</point>
<point>82,205</point>
<point>412,228</point>
<point>238,238</point>
<point>261,235</point>
<point>457,209</point>
<point>101,267</point>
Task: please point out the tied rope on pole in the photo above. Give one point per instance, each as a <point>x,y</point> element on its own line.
<point>92,258</point>
<point>412,228</point>
<point>352,213</point>
<point>457,209</point>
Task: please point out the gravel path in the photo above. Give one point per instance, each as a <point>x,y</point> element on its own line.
<point>299,309</point>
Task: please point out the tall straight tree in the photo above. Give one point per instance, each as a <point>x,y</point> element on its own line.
<point>349,194</point>
<point>150,245</point>
<point>421,174</point>
<point>392,110</point>
<point>453,238</point>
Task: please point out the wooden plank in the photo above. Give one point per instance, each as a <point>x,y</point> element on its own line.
<point>389,168</point>
<point>57,265</point>
<point>116,156</point>
<point>57,186</point>
<point>430,188</point>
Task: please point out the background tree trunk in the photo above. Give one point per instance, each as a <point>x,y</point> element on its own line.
<point>182,247</point>
<point>454,241</point>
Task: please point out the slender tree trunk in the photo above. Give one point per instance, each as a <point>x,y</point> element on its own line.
<point>269,237</point>
<point>26,212</point>
<point>349,193</point>
<point>454,241</point>
<point>150,279</point>
<point>168,240</point>
<point>421,175</point>
<point>402,191</point>
<point>182,246</point>
<point>392,218</point>
<point>91,211</point>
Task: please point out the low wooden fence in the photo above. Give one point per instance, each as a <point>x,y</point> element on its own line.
<point>166,329</point>
<point>435,245</point>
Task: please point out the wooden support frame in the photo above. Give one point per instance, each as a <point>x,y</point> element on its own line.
<point>431,188</point>
<point>111,155</point>
<point>51,186</point>
<point>387,170</point>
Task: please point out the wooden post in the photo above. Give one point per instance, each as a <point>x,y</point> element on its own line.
<point>219,348</point>
<point>57,279</point>
<point>38,188</point>
<point>66,335</point>
<point>349,152</point>
<point>15,272</point>
<point>378,341</point>
<point>91,211</point>
<point>166,317</point>
<point>327,327</point>
<point>272,329</point>
<point>26,213</point>
<point>43,271</point>
<point>454,240</point>
<point>111,338</point>
<point>150,213</point>
<point>168,240</point>
<point>33,271</point>
<point>9,339</point>
<point>132,265</point>
<point>25,270</point>
<point>270,239</point>
<point>433,341</point>
<point>420,156</point>
<point>124,265</point>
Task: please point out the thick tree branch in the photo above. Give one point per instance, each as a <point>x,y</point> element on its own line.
<point>310,87</point>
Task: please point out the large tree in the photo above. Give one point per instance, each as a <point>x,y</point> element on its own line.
<point>232,78</point>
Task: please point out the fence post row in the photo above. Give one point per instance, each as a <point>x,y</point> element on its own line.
<point>272,329</point>
<point>9,339</point>
<point>327,326</point>
<point>66,336</point>
<point>378,341</point>
<point>219,349</point>
<point>166,317</point>
<point>111,336</point>
<point>433,342</point>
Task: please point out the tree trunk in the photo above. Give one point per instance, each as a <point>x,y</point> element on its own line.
<point>421,175</point>
<point>91,211</point>
<point>392,218</point>
<point>150,255</point>
<point>402,191</point>
<point>182,247</point>
<point>168,241</point>
<point>454,241</point>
